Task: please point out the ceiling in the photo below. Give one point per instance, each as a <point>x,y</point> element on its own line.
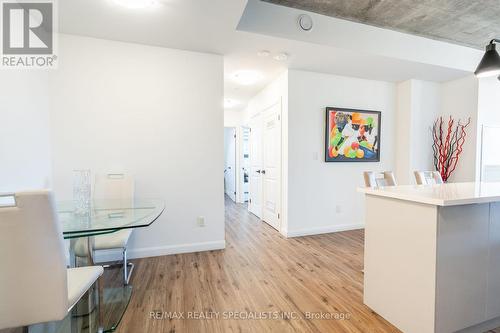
<point>211,27</point>
<point>464,22</point>
<point>194,25</point>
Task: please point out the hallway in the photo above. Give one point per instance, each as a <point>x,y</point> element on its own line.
<point>259,274</point>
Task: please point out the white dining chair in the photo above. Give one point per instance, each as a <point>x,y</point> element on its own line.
<point>428,177</point>
<point>35,285</point>
<point>119,189</point>
<point>379,179</point>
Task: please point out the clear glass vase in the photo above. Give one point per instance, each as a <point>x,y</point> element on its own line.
<point>81,191</point>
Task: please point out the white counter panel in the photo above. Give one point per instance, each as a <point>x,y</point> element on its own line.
<point>400,262</point>
<point>450,194</point>
<point>462,267</point>
<point>431,268</point>
<point>493,303</point>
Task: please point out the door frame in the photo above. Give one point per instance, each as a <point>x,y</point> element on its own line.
<point>280,167</point>
<point>240,191</point>
<point>236,162</point>
<point>250,195</point>
<point>280,194</point>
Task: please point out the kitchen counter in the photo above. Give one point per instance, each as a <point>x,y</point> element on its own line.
<point>442,194</point>
<point>432,256</point>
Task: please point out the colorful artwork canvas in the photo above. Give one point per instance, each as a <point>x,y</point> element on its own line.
<point>352,135</point>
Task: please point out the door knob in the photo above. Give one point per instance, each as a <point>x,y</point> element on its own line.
<point>263,172</point>
<point>258,171</point>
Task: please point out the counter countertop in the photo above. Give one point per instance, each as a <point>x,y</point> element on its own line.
<point>450,194</point>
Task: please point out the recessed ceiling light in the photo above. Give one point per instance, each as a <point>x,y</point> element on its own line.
<point>281,56</point>
<point>138,4</point>
<point>230,103</point>
<point>247,77</point>
<point>264,53</point>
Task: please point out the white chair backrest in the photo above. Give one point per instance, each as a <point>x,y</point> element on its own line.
<point>428,177</point>
<point>114,186</point>
<point>381,179</point>
<point>33,278</point>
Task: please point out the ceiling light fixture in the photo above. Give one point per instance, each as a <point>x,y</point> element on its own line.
<point>247,77</point>
<point>138,4</point>
<point>281,56</point>
<point>264,53</point>
<point>230,103</point>
<point>490,64</point>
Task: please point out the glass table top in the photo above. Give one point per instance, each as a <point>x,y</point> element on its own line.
<point>106,216</point>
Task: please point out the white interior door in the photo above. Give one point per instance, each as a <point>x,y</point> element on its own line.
<point>271,171</point>
<point>230,162</point>
<point>255,167</point>
<point>245,155</point>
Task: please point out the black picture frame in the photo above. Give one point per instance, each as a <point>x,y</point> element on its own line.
<point>374,151</point>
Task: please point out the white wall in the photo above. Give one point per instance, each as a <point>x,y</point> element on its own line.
<point>427,102</point>
<point>155,113</point>
<point>322,196</point>
<point>459,98</point>
<point>489,101</point>
<point>489,116</point>
<point>404,112</point>
<point>267,97</point>
<point>233,118</point>
<point>24,130</point>
<point>418,105</point>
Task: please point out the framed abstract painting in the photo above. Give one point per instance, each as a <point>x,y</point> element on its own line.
<point>352,135</point>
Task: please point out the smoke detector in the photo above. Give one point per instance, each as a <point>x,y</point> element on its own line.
<point>305,22</point>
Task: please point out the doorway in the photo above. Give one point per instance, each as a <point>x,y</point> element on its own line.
<point>245,164</point>
<point>230,162</point>
<point>265,172</point>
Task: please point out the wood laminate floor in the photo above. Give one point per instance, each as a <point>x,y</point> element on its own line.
<point>259,273</point>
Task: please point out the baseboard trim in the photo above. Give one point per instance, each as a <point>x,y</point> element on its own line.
<point>482,327</point>
<point>112,255</point>
<point>323,230</point>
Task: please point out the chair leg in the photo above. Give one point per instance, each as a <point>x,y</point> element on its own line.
<point>90,308</point>
<point>100,304</point>
<point>126,273</point>
<point>125,280</point>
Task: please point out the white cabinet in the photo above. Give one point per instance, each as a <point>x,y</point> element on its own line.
<point>433,267</point>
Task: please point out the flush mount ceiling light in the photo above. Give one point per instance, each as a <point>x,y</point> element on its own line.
<point>264,53</point>
<point>281,56</point>
<point>230,103</point>
<point>247,77</point>
<point>490,64</point>
<point>138,4</point>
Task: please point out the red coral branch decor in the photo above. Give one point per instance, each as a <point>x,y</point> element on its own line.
<point>448,142</point>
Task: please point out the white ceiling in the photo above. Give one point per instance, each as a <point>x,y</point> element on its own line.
<point>211,26</point>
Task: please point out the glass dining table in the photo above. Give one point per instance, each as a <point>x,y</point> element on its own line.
<point>105,217</point>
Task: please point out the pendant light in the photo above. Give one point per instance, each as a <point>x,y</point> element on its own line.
<point>490,64</point>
